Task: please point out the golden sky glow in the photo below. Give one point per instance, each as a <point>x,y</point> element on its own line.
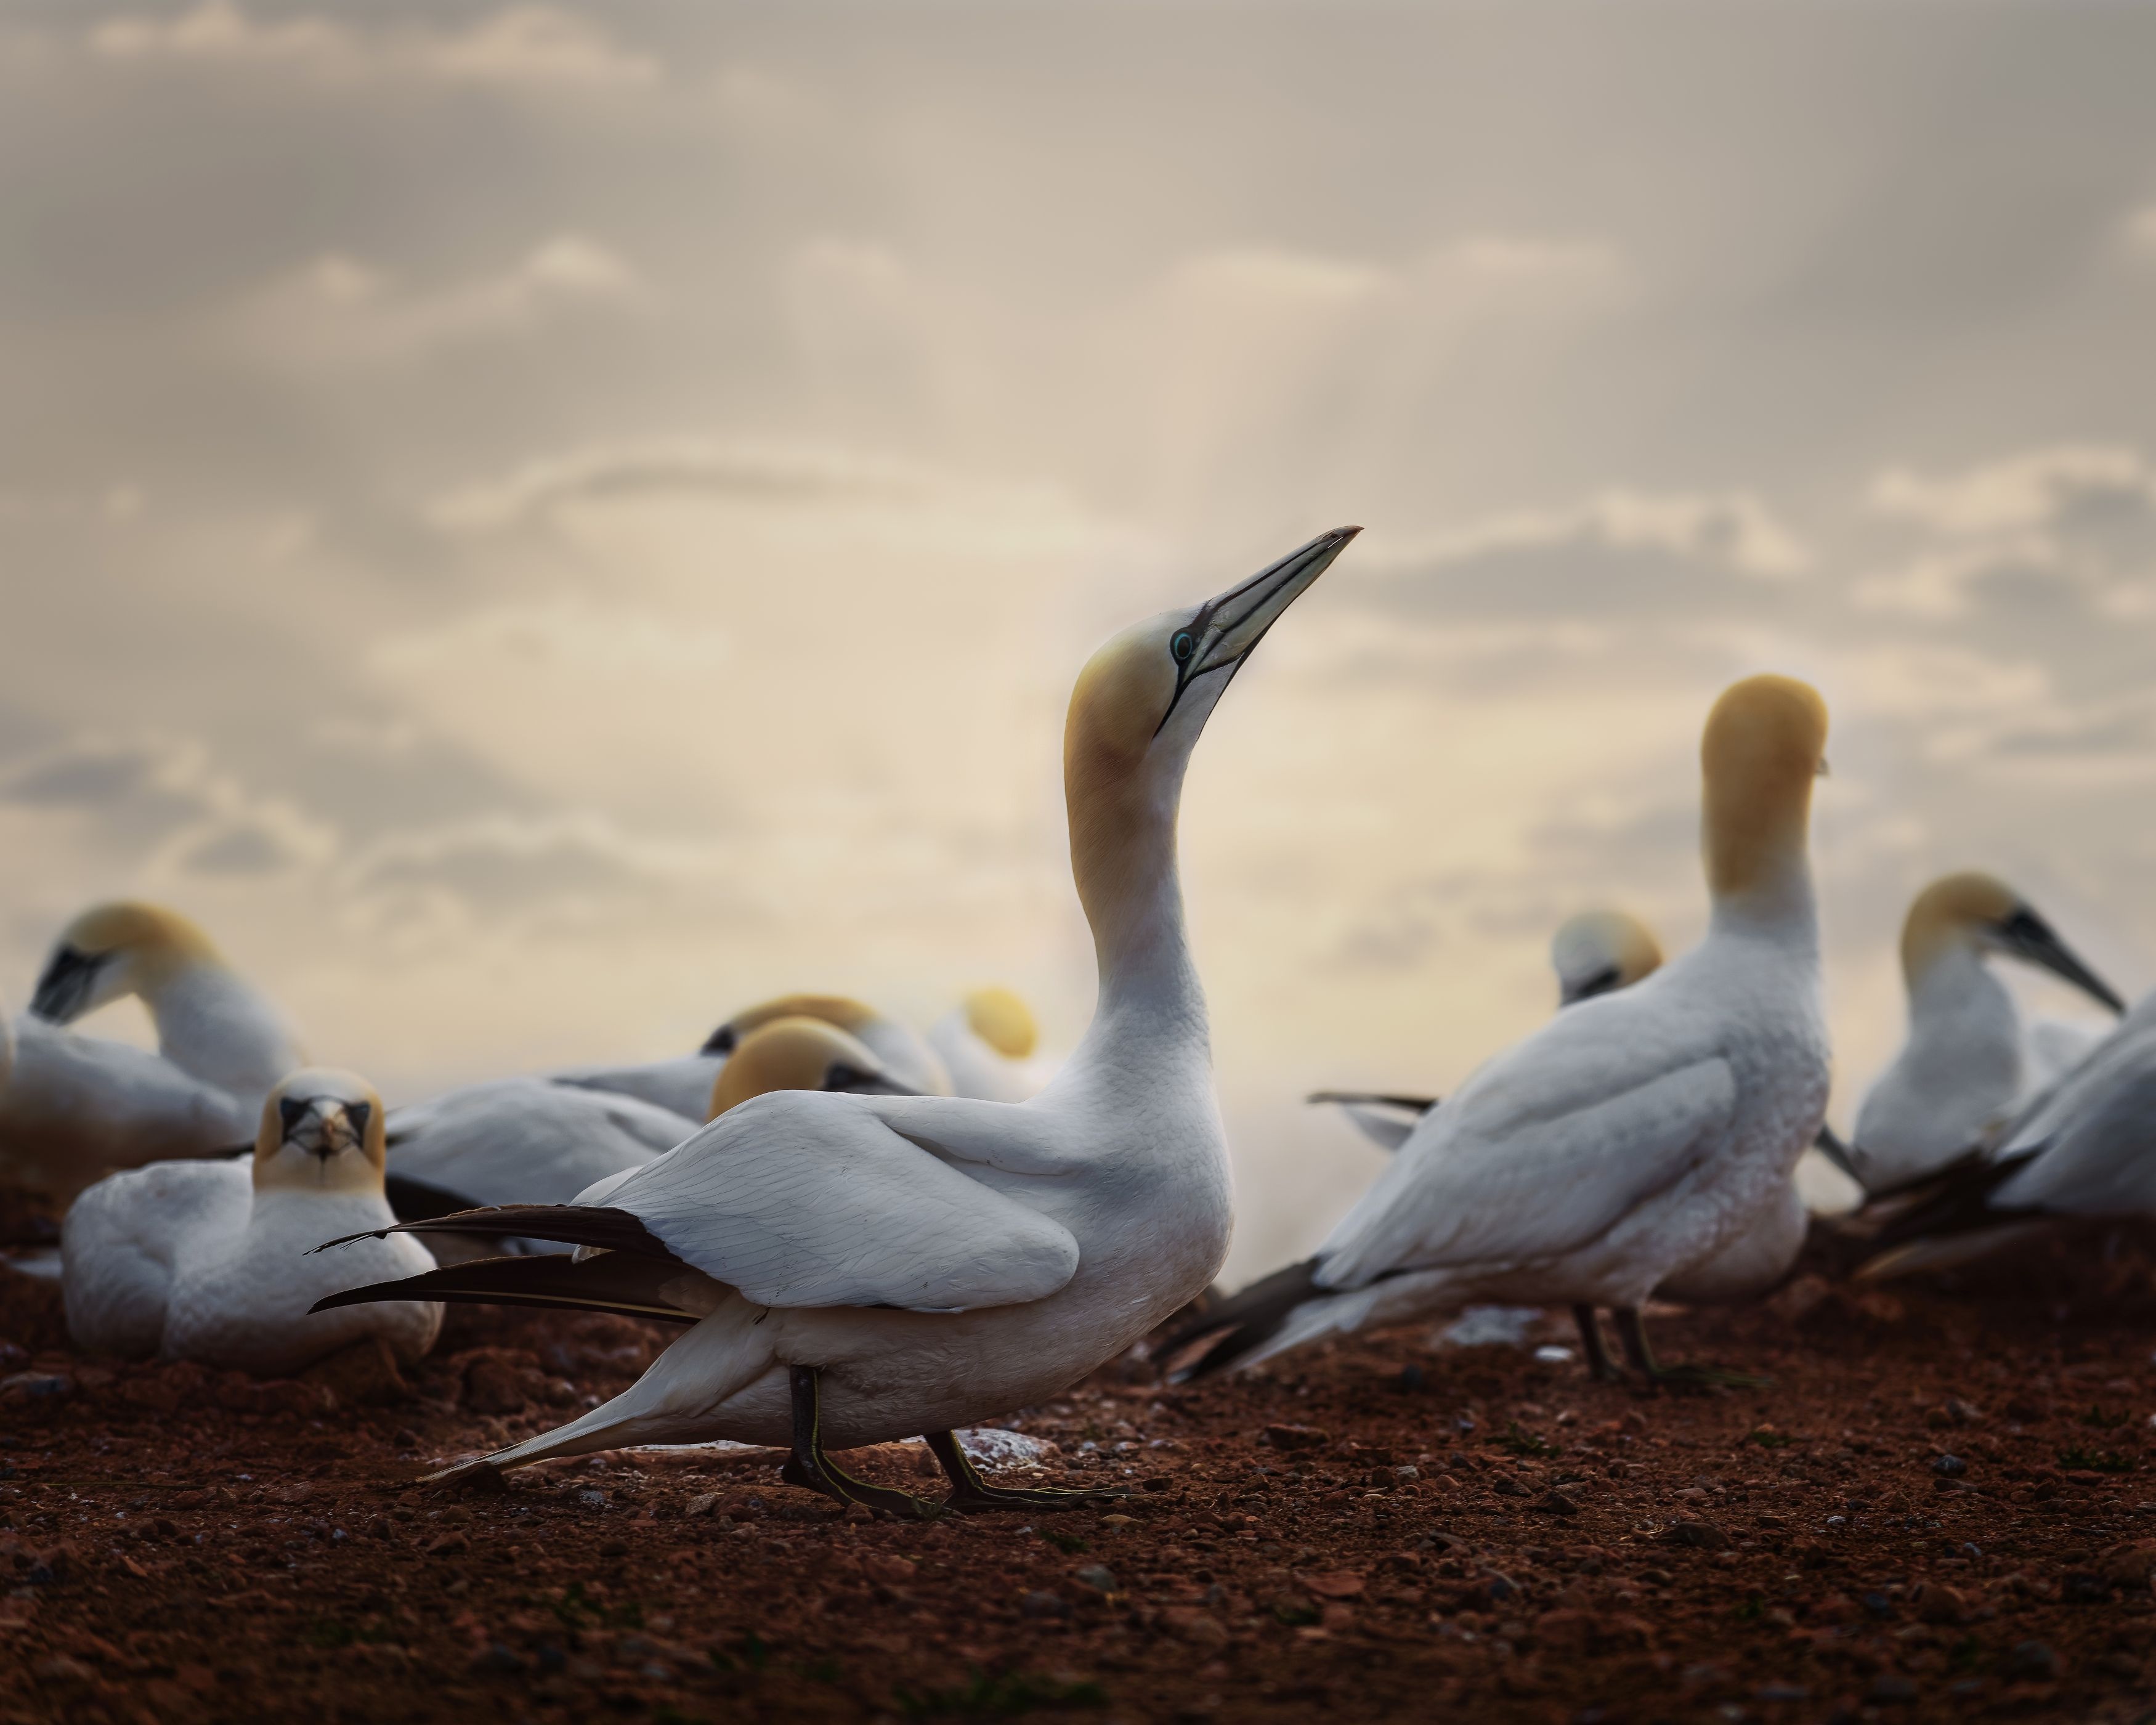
<point>540,527</point>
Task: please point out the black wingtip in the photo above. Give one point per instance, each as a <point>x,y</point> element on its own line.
<point>1243,1323</point>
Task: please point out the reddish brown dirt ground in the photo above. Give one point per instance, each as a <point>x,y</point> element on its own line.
<point>1386,1529</point>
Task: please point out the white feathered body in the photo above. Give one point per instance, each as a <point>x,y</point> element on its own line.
<point>2094,1134</point>
<point>1956,1078</point>
<point>186,1260</point>
<point>528,1140</point>
<point>682,1085</point>
<point>1067,1227</point>
<point>76,1108</point>
<point>1634,1137</point>
<point>980,1070</point>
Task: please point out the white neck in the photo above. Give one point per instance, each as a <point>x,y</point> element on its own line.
<point>219,1028</point>
<point>1778,904</point>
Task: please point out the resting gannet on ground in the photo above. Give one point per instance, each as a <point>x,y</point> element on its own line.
<point>211,1261</point>
<point>1960,1073</point>
<point>1636,1134</point>
<point>79,1106</point>
<point>865,1268</point>
<point>683,1086</point>
<point>2085,1150</point>
<point>988,1045</point>
<point>529,1141</point>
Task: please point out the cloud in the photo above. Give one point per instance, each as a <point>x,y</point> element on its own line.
<point>497,863</point>
<point>518,47</point>
<point>744,473</point>
<point>338,310</point>
<point>2037,488</point>
<point>2076,518</point>
<point>1618,551</point>
<point>164,802</point>
<point>2138,232</point>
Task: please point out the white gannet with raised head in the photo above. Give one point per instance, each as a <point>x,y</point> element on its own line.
<point>79,1106</point>
<point>1636,1134</point>
<point>211,1261</point>
<point>1960,1073</point>
<point>865,1268</point>
<point>988,1044</point>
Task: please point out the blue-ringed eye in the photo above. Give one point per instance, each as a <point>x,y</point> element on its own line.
<point>1183,646</point>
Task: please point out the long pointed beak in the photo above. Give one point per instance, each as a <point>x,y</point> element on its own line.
<point>64,986</point>
<point>1229,627</point>
<point>2029,938</point>
<point>1232,625</point>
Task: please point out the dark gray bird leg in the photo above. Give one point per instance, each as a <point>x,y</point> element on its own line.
<point>808,1466</point>
<point>971,1494</point>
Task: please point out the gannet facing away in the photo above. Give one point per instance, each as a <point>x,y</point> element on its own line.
<point>1634,1135</point>
<point>1959,1072</point>
<point>864,1268</point>
<point>987,1044</point>
<point>81,1107</point>
<point>1597,952</point>
<point>210,1261</point>
<point>1593,952</point>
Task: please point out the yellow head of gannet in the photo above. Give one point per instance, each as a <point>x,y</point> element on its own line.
<point>1972,911</point>
<point>1002,1021</point>
<point>799,1053</point>
<point>114,950</point>
<point>1765,743</point>
<point>847,1014</point>
<point>1600,952</point>
<point>1136,713</point>
<point>322,1130</point>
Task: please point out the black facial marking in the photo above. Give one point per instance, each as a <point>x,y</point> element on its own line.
<point>1604,981</point>
<point>720,1041</point>
<point>291,1110</point>
<point>359,1113</point>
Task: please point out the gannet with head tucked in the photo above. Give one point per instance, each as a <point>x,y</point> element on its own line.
<point>864,1268</point>
<point>81,1107</point>
<point>683,1086</point>
<point>210,1261</point>
<point>533,1141</point>
<point>988,1044</point>
<point>1636,1134</point>
<point>1959,1073</point>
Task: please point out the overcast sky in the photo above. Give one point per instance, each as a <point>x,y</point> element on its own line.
<point>543,526</point>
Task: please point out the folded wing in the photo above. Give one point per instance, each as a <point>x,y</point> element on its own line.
<point>1523,1165</point>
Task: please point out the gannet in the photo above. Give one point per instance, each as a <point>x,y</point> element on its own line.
<point>531,1141</point>
<point>79,1106</point>
<point>1597,952</point>
<point>987,1044</point>
<point>1959,1072</point>
<point>210,1261</point>
<point>1636,1134</point>
<point>2085,1149</point>
<point>1593,952</point>
<point>905,1054</point>
<point>864,1268</point>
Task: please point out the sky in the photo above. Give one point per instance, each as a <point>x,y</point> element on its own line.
<point>542,527</point>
